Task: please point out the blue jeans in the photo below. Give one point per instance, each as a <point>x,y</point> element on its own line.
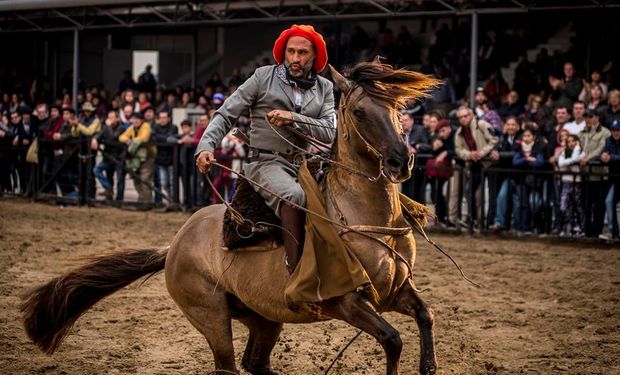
<point>501,216</point>
<point>163,176</point>
<point>106,165</point>
<point>530,202</point>
<point>610,207</point>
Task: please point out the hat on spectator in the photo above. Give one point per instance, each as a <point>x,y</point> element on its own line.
<point>615,125</point>
<point>307,32</point>
<point>479,89</point>
<point>87,106</point>
<point>137,115</point>
<point>442,124</point>
<point>591,112</point>
<point>218,98</point>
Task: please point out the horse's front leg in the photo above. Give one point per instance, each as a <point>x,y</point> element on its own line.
<point>409,303</point>
<point>359,312</point>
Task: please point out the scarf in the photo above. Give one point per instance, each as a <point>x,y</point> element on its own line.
<point>302,83</point>
<point>527,149</point>
<point>469,138</point>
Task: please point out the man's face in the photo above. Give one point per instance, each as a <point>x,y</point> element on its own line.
<point>578,110</point>
<point>41,112</point>
<point>26,118</point>
<point>149,115</point>
<point>299,56</point>
<point>129,96</point>
<point>511,127</point>
<point>112,118</point>
<point>480,97</point>
<point>87,113</point>
<point>407,122</point>
<point>444,133</point>
<point>614,100</point>
<point>561,115</point>
<point>512,97</point>
<point>615,133</point>
<point>203,121</point>
<point>15,118</point>
<point>127,110</point>
<point>54,113</point>
<point>464,116</point>
<point>66,115</point>
<point>163,118</point>
<point>592,120</point>
<point>135,121</point>
<point>186,129</point>
<point>569,70</point>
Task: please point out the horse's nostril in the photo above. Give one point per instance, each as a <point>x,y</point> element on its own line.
<point>394,164</point>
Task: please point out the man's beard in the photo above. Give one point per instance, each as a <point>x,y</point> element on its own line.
<point>299,73</point>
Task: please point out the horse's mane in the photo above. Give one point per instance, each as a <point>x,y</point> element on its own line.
<point>392,86</point>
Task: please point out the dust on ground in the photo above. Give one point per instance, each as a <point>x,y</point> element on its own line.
<point>546,307</point>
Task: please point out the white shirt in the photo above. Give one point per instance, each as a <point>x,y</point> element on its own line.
<point>574,127</point>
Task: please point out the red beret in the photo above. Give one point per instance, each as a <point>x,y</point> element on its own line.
<point>304,31</point>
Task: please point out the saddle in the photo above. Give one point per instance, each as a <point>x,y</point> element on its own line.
<point>251,205</point>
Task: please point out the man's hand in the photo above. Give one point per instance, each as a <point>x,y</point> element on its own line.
<point>278,117</point>
<point>605,157</point>
<point>204,161</point>
<point>494,155</point>
<point>56,136</point>
<point>73,121</point>
<point>15,141</point>
<point>25,142</point>
<point>94,145</point>
<point>475,155</point>
<point>437,144</point>
<point>583,162</point>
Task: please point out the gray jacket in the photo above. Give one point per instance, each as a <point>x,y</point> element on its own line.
<point>263,92</point>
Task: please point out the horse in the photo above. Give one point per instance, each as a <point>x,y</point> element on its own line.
<point>212,286</point>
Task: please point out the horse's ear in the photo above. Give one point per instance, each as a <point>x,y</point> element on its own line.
<point>343,84</point>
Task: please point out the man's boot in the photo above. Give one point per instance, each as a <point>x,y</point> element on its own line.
<point>293,221</point>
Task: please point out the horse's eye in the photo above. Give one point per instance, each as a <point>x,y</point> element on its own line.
<point>359,113</point>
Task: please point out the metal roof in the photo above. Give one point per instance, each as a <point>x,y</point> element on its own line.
<point>63,15</point>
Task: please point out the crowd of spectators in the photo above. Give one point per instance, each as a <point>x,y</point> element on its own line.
<point>549,164</point>
<point>129,133</point>
<point>542,156</point>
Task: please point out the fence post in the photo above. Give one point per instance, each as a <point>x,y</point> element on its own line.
<point>175,173</point>
<point>472,201</point>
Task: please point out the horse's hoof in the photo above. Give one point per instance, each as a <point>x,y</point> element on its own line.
<point>428,369</point>
<point>259,370</point>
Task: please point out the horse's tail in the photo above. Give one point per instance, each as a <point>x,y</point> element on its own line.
<point>50,310</point>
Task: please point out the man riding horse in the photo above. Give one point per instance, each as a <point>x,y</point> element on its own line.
<point>286,98</point>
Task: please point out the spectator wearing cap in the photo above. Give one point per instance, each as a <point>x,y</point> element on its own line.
<point>480,99</point>
<point>611,157</point>
<point>217,100</point>
<point>439,167</point>
<point>165,134</point>
<point>88,123</point>
<point>113,155</point>
<point>140,157</point>
<point>149,116</point>
<point>579,121</point>
<point>593,139</point>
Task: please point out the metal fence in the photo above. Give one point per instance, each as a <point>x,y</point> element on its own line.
<point>474,196</point>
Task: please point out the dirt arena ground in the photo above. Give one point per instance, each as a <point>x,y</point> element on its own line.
<point>546,308</point>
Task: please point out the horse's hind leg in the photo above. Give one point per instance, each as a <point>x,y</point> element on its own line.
<point>209,313</point>
<point>264,334</point>
<point>359,312</point>
<point>409,303</point>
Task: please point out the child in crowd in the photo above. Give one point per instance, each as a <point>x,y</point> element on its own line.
<point>570,202</point>
<point>528,157</point>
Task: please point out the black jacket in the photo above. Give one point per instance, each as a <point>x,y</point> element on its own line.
<point>161,135</point>
<point>109,137</point>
